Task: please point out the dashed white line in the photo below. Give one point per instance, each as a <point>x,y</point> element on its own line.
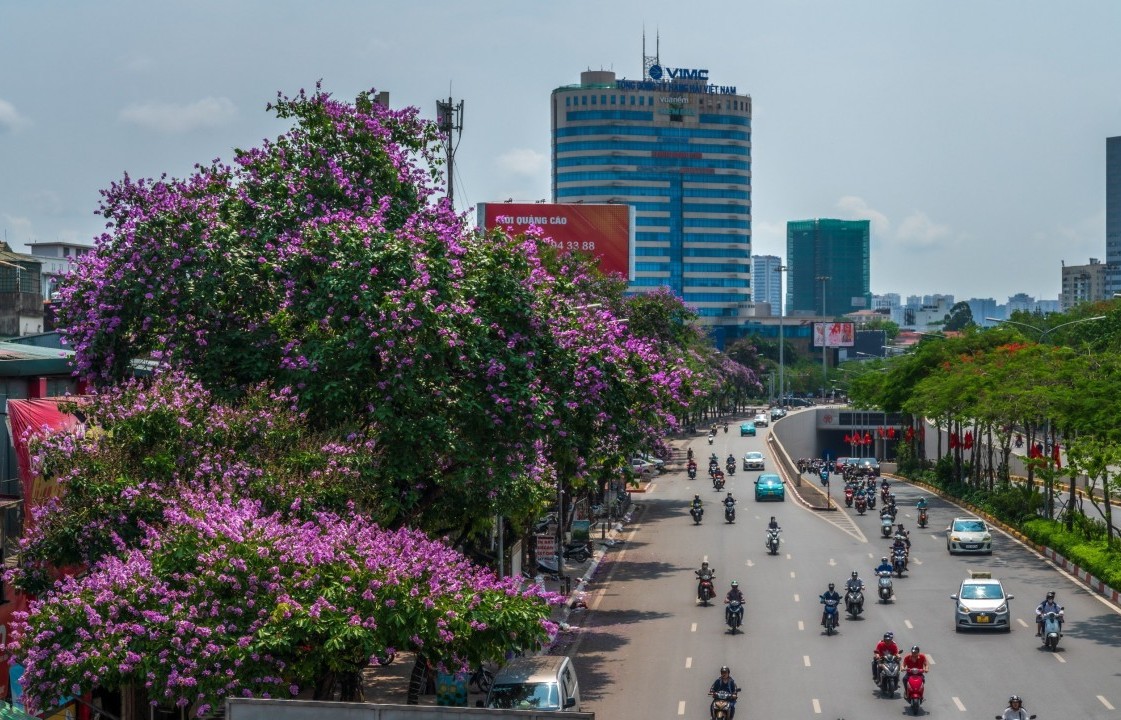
<point>787,556</point>
<point>693,627</point>
<point>795,597</point>
<point>1021,621</point>
<point>688,663</point>
<point>958,703</point>
<point>791,574</point>
<point>1058,657</point>
<point>750,564</point>
<point>817,707</point>
<point>806,660</point>
<point>801,625</point>
<point>1105,702</point>
<point>832,561</point>
<point>681,708</point>
<point>916,561</point>
<point>929,659</point>
<point>908,624</point>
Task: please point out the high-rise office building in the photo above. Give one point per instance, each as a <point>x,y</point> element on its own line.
<point>766,281</point>
<point>1113,215</point>
<point>828,259</point>
<point>1082,284</point>
<point>678,149</point>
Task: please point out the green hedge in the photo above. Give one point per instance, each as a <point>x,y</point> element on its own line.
<point>1095,556</point>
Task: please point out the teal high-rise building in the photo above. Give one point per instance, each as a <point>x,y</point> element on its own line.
<point>678,149</point>
<point>830,259</point>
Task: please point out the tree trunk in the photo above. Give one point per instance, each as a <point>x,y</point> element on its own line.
<point>350,687</point>
<point>417,680</point>
<point>325,686</point>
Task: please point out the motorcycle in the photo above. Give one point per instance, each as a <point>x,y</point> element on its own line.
<point>861,504</point>
<point>854,602</point>
<point>721,704</point>
<point>888,675</point>
<point>705,589</point>
<point>729,511</point>
<point>830,616</point>
<point>580,552</point>
<point>692,472</point>
<point>922,518</point>
<point>871,501</point>
<point>718,481</point>
<point>886,526</point>
<point>697,514</point>
<point>733,615</point>
<point>731,467</point>
<point>884,587</point>
<point>848,496</point>
<point>710,439</point>
<point>725,428</point>
<point>899,562</point>
<point>1052,630</point>
<point>772,541</point>
<point>913,689</point>
<point>824,475</point>
<point>885,495</point>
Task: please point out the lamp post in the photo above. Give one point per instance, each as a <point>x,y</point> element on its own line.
<point>781,338</point>
<point>824,372</point>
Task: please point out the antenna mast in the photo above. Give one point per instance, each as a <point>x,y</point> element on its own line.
<point>449,119</point>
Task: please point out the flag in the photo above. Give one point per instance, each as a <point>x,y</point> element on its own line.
<point>1056,457</point>
<point>867,438</point>
<point>953,440</point>
<point>910,435</point>
<point>968,439</point>
<point>848,439</point>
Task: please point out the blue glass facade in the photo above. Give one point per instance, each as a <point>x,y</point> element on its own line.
<point>682,159</point>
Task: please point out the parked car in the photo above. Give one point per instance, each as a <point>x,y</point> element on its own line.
<point>969,534</point>
<point>747,428</point>
<point>761,420</point>
<point>541,682</point>
<point>641,467</point>
<point>754,460</point>
<point>982,603</point>
<point>769,485</point>
<point>658,463</point>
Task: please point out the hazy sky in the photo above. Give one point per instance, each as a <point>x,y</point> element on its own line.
<point>971,132</point>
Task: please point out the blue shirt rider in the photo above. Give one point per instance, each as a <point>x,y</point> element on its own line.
<point>884,566</point>
<point>921,504</point>
<point>725,683</point>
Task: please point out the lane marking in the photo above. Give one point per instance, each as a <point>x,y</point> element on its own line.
<point>795,597</point>
<point>832,561</point>
<point>750,564</point>
<point>817,707</point>
<point>958,703</point>
<point>801,625</point>
<point>908,624</point>
<point>787,556</point>
<point>693,627</point>
<point>871,556</point>
<point>791,574</point>
<point>1058,657</point>
<point>929,659</point>
<point>681,707</point>
<point>806,660</point>
<point>1105,702</point>
<point>688,663</point>
<point>1021,621</point>
<point>916,561</point>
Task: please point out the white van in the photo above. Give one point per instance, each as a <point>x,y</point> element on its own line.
<point>544,682</point>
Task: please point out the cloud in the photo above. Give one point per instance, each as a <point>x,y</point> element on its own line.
<point>173,119</point>
<point>919,232</point>
<point>10,119</point>
<point>522,161</point>
<point>19,228</point>
<point>857,209</point>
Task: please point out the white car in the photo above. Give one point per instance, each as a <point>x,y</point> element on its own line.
<point>754,460</point>
<point>761,420</point>
<point>982,603</point>
<point>658,463</point>
<point>969,535</point>
<point>777,412</point>
<point>641,467</point>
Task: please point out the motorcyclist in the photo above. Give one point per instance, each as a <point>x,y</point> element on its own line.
<point>830,594</point>
<point>1048,605</point>
<point>773,524</point>
<point>725,427</point>
<point>690,455</point>
<point>725,683</point>
<point>697,505</point>
<point>884,566</point>
<point>729,502</point>
<point>905,534</point>
<point>884,647</point>
<point>899,544</point>
<point>854,583</point>
<point>734,593</point>
<point>916,661</point>
<point>1015,709</point>
<point>704,573</point>
<point>921,504</point>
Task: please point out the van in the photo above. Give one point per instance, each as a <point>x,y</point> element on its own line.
<point>543,682</point>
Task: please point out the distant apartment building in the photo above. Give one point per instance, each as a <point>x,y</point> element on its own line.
<point>982,308</point>
<point>828,265</point>
<point>57,258</point>
<point>890,304</point>
<point>21,296</point>
<point>766,281</point>
<point>1083,284</point>
<point>927,317</point>
<point>1113,215</point>
<point>1020,302</point>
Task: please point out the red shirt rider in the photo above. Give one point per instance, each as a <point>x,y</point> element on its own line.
<point>916,660</point>
<point>886,647</point>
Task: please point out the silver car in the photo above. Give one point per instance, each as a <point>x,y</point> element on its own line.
<point>969,535</point>
<point>982,603</point>
<point>754,460</point>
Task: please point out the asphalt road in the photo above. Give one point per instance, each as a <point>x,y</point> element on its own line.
<point>646,649</point>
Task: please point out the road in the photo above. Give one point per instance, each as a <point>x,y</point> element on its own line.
<point>647,650</point>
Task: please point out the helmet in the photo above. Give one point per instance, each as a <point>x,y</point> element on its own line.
<point>1051,595</point>
<point>914,648</point>
<point>830,586</point>
<point>1014,699</point>
<point>854,575</point>
<point>900,526</point>
<point>729,494</point>
<point>883,559</point>
<point>696,497</point>
<point>724,669</point>
<point>735,583</point>
<point>704,563</point>
<point>889,636</point>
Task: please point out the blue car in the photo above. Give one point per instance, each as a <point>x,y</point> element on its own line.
<point>747,428</point>
<point>769,486</point>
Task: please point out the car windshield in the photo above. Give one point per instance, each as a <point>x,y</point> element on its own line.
<point>754,455</point>
<point>969,526</point>
<point>525,696</point>
<point>769,480</point>
<point>982,592</point>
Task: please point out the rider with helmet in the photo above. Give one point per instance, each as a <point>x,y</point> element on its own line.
<point>830,594</point>
<point>884,647</point>
<point>905,534</point>
<point>916,661</point>
<point>734,593</point>
<point>854,583</point>
<point>884,566</point>
<point>725,683</point>
<point>1048,605</point>
<point>729,502</point>
<point>1015,709</point>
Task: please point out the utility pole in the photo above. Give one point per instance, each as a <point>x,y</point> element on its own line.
<point>449,120</point>
<point>824,337</point>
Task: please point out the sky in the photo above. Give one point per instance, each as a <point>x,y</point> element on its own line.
<point>970,132</point>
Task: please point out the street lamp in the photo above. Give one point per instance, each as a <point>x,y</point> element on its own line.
<point>1044,333</point>
<point>824,372</point>
<point>781,338</point>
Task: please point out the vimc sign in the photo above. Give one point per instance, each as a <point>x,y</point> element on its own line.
<point>606,232</point>
<point>658,72</point>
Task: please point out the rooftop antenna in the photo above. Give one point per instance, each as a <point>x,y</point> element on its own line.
<point>449,120</point>
<point>649,61</point>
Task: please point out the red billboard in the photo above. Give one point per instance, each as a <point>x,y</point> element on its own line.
<point>606,232</point>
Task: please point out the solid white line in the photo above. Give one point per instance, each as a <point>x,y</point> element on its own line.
<point>693,627</point>
<point>1058,657</point>
<point>688,663</point>
<point>791,574</point>
<point>908,624</point>
<point>806,660</point>
<point>817,707</point>
<point>1105,702</point>
<point>681,708</point>
<point>801,625</point>
<point>1021,621</point>
<point>958,703</point>
<point>795,597</point>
